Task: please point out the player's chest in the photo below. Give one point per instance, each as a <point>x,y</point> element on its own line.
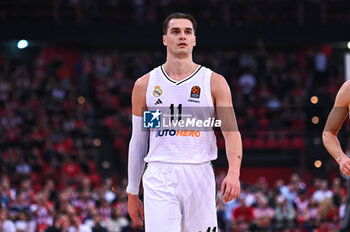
<point>187,95</point>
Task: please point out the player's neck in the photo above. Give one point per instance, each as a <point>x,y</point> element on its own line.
<point>179,69</point>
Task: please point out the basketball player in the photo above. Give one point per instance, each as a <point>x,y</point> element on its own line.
<point>334,122</point>
<point>179,182</point>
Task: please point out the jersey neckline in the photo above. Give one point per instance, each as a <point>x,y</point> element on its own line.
<point>183,80</point>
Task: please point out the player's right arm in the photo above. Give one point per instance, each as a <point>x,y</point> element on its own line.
<point>334,122</point>
<point>137,150</point>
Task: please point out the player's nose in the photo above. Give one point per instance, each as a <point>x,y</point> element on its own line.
<point>182,35</point>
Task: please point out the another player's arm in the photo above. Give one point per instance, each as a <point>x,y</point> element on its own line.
<point>334,122</point>
<point>221,93</point>
<point>137,150</point>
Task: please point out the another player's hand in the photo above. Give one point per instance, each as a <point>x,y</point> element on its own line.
<point>135,209</point>
<point>230,187</point>
<point>344,165</point>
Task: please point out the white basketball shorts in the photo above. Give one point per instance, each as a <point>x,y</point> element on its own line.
<point>179,198</point>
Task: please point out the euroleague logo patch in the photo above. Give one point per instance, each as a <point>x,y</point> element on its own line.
<point>157,91</point>
<point>195,92</point>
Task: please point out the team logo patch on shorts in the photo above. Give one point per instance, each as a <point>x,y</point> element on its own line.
<point>151,119</point>
<point>157,91</point>
<point>195,92</point>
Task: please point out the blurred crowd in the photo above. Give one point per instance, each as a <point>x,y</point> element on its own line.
<point>287,206</point>
<point>212,12</point>
<point>54,104</point>
<point>79,207</point>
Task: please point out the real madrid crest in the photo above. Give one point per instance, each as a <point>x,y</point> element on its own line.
<point>157,91</point>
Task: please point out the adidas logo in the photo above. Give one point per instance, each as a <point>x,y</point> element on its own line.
<point>158,102</point>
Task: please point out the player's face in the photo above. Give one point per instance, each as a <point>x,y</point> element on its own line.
<point>180,38</point>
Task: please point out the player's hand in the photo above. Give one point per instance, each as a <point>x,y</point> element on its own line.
<point>230,187</point>
<point>135,209</point>
<point>344,165</point>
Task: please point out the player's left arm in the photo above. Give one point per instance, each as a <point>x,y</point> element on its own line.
<point>221,93</point>
<point>334,122</point>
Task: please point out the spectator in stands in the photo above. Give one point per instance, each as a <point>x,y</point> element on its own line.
<point>242,215</point>
<point>337,190</point>
<point>247,82</point>
<point>106,190</point>
<point>302,208</point>
<point>117,221</point>
<point>22,167</point>
<point>5,224</point>
<point>313,213</point>
<point>98,224</point>
<point>289,192</point>
<point>25,223</point>
<point>284,213</point>
<point>263,213</point>
<point>6,193</point>
<point>76,225</point>
<point>43,211</point>
<point>61,224</point>
<point>323,192</point>
<point>19,204</point>
<point>327,211</point>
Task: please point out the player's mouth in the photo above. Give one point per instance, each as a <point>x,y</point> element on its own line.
<point>182,44</point>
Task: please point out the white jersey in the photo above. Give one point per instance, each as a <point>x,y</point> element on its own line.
<point>182,99</point>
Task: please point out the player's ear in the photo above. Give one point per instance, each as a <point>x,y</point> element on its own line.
<point>165,40</point>
<point>195,40</point>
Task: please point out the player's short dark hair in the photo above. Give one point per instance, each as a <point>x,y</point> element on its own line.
<point>178,15</point>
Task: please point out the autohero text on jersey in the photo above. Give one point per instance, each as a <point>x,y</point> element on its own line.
<point>189,133</point>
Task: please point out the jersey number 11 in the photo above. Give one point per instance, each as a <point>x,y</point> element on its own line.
<point>179,108</point>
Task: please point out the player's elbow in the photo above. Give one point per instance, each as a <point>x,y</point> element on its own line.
<point>326,135</point>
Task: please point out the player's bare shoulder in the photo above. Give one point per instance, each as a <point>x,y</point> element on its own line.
<point>139,94</point>
<point>141,83</point>
<point>343,96</point>
<point>217,81</point>
<point>219,88</point>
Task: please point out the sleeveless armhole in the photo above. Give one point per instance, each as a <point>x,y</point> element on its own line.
<point>149,86</point>
<point>207,80</point>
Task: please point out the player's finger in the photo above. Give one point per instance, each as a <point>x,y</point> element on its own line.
<point>234,193</point>
<point>237,192</point>
<point>134,218</point>
<point>227,193</point>
<point>141,214</point>
<point>229,198</point>
<point>139,222</point>
<point>223,187</point>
